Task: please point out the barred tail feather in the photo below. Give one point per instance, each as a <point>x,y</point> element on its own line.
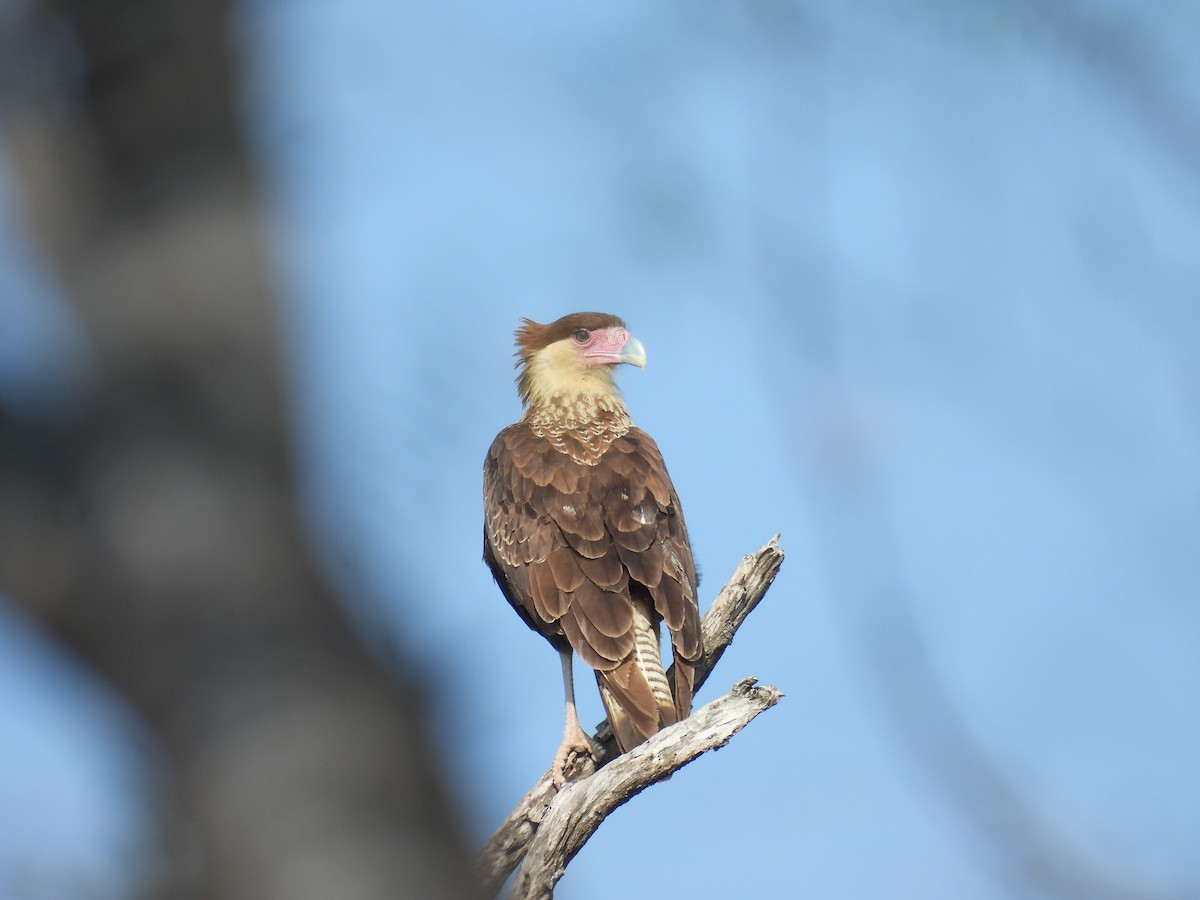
<point>636,694</point>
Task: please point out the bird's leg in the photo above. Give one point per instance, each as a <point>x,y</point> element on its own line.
<point>575,742</point>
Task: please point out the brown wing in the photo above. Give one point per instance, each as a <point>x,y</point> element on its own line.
<point>648,528</point>
<point>575,548</point>
<point>518,537</point>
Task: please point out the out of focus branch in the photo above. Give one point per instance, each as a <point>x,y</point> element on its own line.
<point>1115,46</point>
<point>155,533</point>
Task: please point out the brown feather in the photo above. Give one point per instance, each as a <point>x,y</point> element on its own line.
<point>606,571</point>
<point>599,651</point>
<point>635,709</point>
<point>685,680</point>
<point>634,541</point>
<point>631,511</point>
<point>687,641</point>
<point>668,601</point>
<point>583,519</point>
<point>611,614</point>
<point>569,628</point>
<point>644,567</point>
<point>627,734</point>
<point>605,622</point>
<point>564,565</point>
<point>589,549</point>
<point>549,602</point>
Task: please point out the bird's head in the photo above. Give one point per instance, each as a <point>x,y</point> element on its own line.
<point>574,357</point>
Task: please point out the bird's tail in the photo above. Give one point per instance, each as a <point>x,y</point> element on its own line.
<point>636,693</point>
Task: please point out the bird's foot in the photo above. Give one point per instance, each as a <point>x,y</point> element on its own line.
<point>575,759</point>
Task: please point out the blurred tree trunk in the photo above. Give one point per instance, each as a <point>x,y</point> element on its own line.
<point>154,531</point>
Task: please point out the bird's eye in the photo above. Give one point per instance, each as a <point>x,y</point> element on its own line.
<point>581,335</point>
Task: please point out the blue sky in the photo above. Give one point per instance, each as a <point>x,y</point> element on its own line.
<point>918,286</point>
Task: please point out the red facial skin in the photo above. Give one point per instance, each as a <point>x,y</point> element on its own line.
<point>608,347</point>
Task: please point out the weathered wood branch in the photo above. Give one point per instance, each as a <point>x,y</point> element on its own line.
<point>736,600</point>
<point>741,594</point>
<point>581,806</point>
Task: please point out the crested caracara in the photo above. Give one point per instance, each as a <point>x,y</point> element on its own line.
<point>584,533</point>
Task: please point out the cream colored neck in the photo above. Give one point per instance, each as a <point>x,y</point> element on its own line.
<point>557,381</point>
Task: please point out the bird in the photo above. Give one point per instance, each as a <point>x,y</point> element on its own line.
<point>585,535</point>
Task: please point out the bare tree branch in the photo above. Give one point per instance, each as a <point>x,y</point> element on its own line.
<point>737,599</point>
<point>741,594</point>
<point>581,806</point>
